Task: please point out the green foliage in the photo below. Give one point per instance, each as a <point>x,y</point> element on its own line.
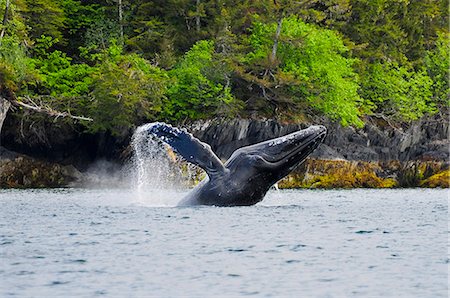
<point>100,34</point>
<point>127,90</point>
<point>377,25</point>
<point>45,17</point>
<point>183,59</point>
<point>329,13</point>
<point>395,30</point>
<point>62,78</point>
<point>16,69</point>
<point>197,91</point>
<point>81,17</point>
<point>397,91</point>
<point>58,75</point>
<point>311,66</point>
<point>148,29</point>
<point>15,26</point>
<point>437,63</point>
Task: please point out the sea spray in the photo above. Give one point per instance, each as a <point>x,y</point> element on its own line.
<point>161,177</point>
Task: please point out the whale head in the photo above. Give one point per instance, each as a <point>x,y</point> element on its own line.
<point>265,163</point>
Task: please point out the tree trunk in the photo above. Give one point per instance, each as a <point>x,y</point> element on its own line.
<point>197,17</point>
<point>5,20</point>
<point>120,8</point>
<point>4,107</point>
<point>273,56</point>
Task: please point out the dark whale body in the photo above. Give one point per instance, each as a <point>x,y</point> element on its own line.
<point>249,173</point>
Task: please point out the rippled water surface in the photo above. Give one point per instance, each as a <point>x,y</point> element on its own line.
<point>295,243</point>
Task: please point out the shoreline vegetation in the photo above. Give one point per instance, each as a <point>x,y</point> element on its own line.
<point>76,78</point>
<point>326,174</point>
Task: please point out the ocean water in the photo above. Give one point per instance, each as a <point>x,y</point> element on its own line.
<point>295,243</point>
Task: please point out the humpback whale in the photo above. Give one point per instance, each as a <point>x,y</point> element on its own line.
<point>248,174</point>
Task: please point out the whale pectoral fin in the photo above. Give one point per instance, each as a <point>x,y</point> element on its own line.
<point>189,147</point>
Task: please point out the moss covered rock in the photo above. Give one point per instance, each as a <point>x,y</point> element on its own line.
<point>26,172</point>
<point>337,174</point>
<point>441,179</point>
<point>319,173</point>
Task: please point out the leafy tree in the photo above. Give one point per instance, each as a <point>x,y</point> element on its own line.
<point>58,75</point>
<point>437,63</point>
<point>16,69</point>
<point>127,90</point>
<point>179,23</point>
<point>99,35</point>
<point>198,90</point>
<point>148,31</point>
<point>311,69</point>
<point>150,20</point>
<point>123,62</point>
<point>422,22</point>
<point>397,92</point>
<point>12,21</point>
<point>328,13</point>
<point>376,25</point>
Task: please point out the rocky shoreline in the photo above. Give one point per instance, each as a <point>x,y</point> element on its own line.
<point>376,156</point>
<point>320,173</point>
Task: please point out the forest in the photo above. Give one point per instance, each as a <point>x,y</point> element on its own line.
<point>120,63</point>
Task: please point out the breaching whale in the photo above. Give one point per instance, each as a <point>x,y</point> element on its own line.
<point>249,173</point>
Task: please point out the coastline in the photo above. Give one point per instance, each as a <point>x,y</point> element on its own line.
<point>376,156</point>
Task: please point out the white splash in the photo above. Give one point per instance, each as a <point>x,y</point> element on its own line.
<point>161,178</point>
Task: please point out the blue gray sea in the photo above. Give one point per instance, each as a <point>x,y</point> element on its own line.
<point>295,243</point>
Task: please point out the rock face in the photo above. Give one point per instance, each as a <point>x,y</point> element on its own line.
<point>377,155</point>
<point>19,171</point>
<point>61,142</point>
<point>424,140</point>
<point>4,107</point>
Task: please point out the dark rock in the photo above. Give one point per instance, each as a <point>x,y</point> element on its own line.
<point>423,140</point>
<point>6,154</point>
<point>26,172</point>
<point>326,152</point>
<point>61,142</point>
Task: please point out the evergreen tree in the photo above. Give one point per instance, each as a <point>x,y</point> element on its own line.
<point>45,17</point>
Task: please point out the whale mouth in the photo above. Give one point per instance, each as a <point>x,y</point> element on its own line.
<point>291,149</point>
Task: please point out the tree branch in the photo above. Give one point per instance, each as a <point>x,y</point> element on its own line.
<point>28,103</point>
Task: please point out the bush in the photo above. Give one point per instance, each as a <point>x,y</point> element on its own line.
<point>397,91</point>
<point>127,90</point>
<point>198,89</point>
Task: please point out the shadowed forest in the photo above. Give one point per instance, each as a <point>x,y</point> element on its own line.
<point>120,63</point>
